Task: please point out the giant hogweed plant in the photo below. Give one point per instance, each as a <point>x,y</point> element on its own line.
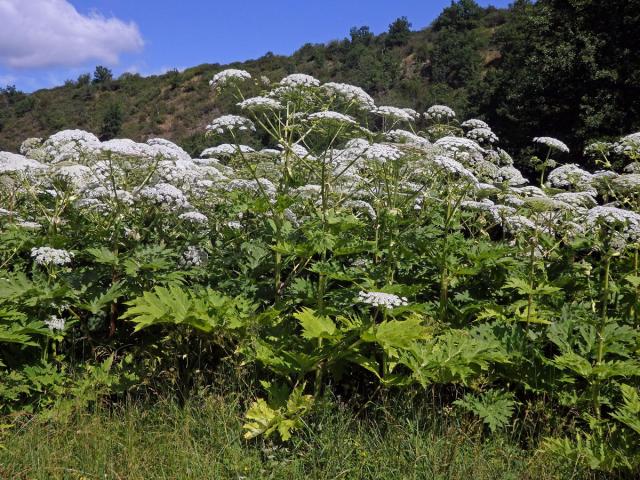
<point>330,243</point>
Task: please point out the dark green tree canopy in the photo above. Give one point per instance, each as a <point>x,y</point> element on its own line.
<point>102,75</point>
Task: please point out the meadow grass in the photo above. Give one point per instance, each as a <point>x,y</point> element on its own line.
<point>202,440</point>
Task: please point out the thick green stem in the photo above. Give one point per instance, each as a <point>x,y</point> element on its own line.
<point>637,296</point>
<point>604,303</point>
<point>444,274</point>
<point>531,281</point>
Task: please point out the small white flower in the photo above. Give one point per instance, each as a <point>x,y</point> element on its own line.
<point>225,149</point>
<point>165,195</point>
<point>331,117</point>
<point>410,138</point>
<point>55,323</point>
<point>381,152</point>
<point>194,217</point>
<point>352,94</point>
<point>194,257</point>
<point>474,123</point>
<point>482,135</point>
<point>362,206</point>
<point>394,114</point>
<point>552,143</point>
<point>440,113</point>
<point>260,104</point>
<point>381,299</point>
<point>229,76</point>
<point>299,80</point>
<point>51,256</point>
<point>230,123</point>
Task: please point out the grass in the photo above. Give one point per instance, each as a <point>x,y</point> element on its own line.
<point>203,439</point>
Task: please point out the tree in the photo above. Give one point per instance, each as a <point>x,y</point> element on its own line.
<point>361,35</point>
<point>102,75</point>
<point>83,80</point>
<point>12,94</point>
<point>461,15</point>
<point>399,32</point>
<point>570,69</point>
<point>111,121</point>
<point>455,58</point>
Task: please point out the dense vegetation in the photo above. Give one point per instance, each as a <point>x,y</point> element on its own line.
<point>567,68</point>
<point>326,253</point>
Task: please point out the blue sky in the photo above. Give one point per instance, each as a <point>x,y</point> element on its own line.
<point>48,41</point>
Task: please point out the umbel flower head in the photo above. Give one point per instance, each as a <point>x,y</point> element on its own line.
<point>552,143</point>
<point>55,323</point>
<point>51,256</point>
<point>230,123</point>
<point>381,299</point>
<point>258,104</point>
<point>230,75</point>
<point>440,113</point>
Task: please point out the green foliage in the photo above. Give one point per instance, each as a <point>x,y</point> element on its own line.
<point>265,420</point>
<point>112,121</point>
<point>102,75</point>
<point>203,309</point>
<point>495,408</point>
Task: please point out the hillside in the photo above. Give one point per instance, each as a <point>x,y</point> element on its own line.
<point>554,67</point>
<point>394,67</point>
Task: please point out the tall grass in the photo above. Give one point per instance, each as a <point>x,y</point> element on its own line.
<point>201,440</point>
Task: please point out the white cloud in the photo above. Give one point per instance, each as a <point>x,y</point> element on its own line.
<point>48,33</point>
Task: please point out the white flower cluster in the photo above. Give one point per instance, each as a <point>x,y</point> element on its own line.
<point>511,175</point>
<point>260,104</point>
<point>395,114</point>
<point>194,217</point>
<point>328,116</point>
<point>440,113</point>
<point>552,143</point>
<point>168,150</point>
<point>624,225</point>
<point>362,206</point>
<point>78,176</point>
<point>226,149</point>
<point>612,216</point>
<point>381,152</point>
<point>49,256</point>
<point>410,138</point>
<point>14,163</point>
<point>29,145</point>
<point>194,257</point>
<point>577,200</point>
<point>230,123</point>
<point>627,183</point>
<point>482,135</point>
<point>308,191</point>
<point>352,94</point>
<point>570,176</point>
<point>381,299</point>
<point>627,145</point>
<point>252,186</point>
<point>474,123</point>
<point>68,145</point>
<point>229,76</point>
<point>453,167</point>
<point>299,80</point>
<point>165,195</point>
<point>457,145</point>
<point>518,224</point>
<point>55,323</point>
